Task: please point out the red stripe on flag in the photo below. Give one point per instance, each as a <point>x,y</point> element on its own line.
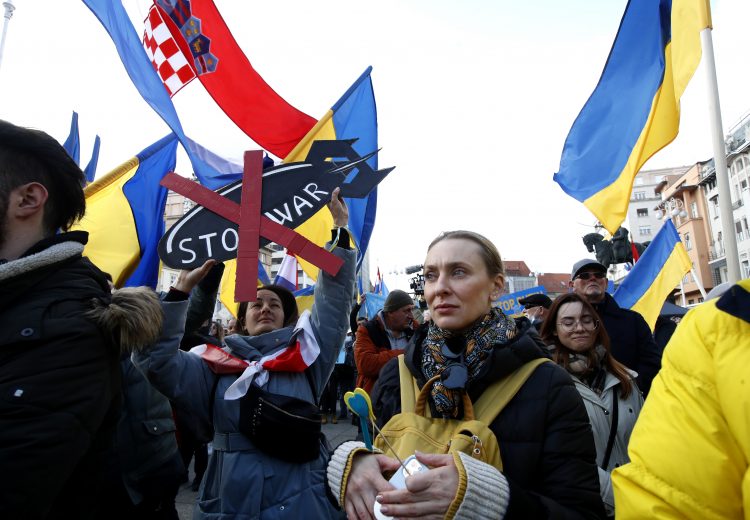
<point>240,91</point>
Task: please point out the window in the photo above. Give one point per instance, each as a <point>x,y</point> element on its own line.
<point>715,206</point>
<point>276,261</point>
<point>688,243</point>
<point>743,184</point>
<point>642,212</point>
<point>694,210</point>
<point>639,195</point>
<point>690,302</point>
<point>644,230</point>
<point>738,229</point>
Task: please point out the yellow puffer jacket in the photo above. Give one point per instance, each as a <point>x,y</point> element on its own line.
<point>690,448</point>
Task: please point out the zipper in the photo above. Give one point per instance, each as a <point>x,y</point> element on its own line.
<point>287,413</point>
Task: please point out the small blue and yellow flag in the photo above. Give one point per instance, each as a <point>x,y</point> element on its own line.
<point>635,109</point>
<point>655,275</point>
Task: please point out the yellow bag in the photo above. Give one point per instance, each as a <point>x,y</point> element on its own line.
<point>413,429</point>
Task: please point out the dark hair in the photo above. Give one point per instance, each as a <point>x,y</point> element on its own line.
<point>28,155</point>
<point>561,355</point>
<point>288,305</point>
<point>489,253</point>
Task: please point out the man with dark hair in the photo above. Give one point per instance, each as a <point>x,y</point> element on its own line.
<point>632,343</point>
<point>60,336</point>
<point>383,337</point>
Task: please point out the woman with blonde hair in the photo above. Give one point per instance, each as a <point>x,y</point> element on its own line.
<point>548,467</point>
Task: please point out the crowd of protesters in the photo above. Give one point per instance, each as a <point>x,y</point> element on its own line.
<point>107,395</point>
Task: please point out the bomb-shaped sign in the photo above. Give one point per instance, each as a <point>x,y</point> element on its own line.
<point>291,194</point>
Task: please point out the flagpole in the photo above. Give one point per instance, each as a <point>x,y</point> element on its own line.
<point>9,8</point>
<point>698,282</point>
<point>720,160</point>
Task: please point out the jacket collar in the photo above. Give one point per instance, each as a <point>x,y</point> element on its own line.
<point>44,253</point>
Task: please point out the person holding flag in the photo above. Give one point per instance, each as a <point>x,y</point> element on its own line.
<point>260,394</point>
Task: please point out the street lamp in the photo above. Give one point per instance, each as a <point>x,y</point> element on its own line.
<point>9,8</point>
<point>671,207</point>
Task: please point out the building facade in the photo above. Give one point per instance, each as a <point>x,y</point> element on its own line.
<point>738,165</point>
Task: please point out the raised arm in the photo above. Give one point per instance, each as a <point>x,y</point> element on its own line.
<point>333,297</point>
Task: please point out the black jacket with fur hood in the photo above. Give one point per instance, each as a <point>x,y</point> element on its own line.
<point>61,333</point>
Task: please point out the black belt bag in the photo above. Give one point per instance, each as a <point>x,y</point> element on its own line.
<point>281,426</point>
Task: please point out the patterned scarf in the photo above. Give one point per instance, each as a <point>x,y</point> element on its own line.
<point>494,329</point>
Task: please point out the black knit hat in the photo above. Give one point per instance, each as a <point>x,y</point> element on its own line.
<point>397,299</point>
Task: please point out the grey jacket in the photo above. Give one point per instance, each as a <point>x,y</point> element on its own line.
<point>599,409</point>
<point>241,482</point>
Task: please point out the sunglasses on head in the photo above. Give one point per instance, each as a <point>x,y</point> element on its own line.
<point>596,274</point>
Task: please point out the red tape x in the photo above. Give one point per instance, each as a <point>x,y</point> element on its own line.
<point>252,225</point>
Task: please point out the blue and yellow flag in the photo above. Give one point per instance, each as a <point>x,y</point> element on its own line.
<point>635,109</point>
<point>353,116</point>
<point>125,215</point>
<point>655,275</point>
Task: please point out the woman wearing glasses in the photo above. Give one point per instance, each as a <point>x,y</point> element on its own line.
<point>580,345</point>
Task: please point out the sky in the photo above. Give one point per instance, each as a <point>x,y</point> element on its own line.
<point>475,99</point>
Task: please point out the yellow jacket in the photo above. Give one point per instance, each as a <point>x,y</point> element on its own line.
<point>690,448</point>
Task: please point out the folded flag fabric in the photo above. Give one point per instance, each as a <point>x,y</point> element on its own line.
<point>287,275</point>
<point>635,109</point>
<point>655,275</point>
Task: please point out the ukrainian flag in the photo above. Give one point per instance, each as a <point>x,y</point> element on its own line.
<point>125,215</point>
<point>354,115</point>
<point>635,109</point>
<point>655,275</point>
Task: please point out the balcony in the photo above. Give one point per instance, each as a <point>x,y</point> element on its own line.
<point>737,204</point>
<point>716,252</point>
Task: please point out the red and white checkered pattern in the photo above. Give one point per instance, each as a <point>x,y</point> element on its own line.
<point>169,62</point>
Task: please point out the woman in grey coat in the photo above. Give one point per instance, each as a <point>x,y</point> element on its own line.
<point>580,345</point>
<point>252,479</point>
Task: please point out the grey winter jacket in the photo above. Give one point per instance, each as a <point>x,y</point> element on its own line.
<point>599,409</point>
<point>241,482</point>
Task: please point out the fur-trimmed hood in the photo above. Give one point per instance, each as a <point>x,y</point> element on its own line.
<point>133,317</point>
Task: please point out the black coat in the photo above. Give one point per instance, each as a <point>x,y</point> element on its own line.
<point>631,341</point>
<point>59,383</point>
<point>544,433</point>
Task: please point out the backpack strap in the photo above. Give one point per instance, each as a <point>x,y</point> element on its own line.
<point>499,393</point>
<point>408,384</point>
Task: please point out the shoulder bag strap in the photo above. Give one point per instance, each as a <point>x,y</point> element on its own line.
<point>499,393</point>
<point>612,428</point>
<point>408,384</point>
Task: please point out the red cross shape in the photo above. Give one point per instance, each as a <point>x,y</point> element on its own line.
<point>252,225</point>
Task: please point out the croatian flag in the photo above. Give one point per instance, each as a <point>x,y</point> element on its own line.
<point>301,352</point>
<point>287,275</point>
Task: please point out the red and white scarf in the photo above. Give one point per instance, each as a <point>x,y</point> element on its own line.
<point>296,357</point>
